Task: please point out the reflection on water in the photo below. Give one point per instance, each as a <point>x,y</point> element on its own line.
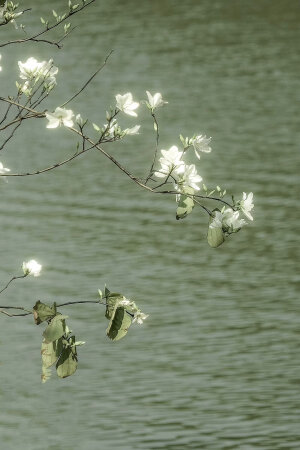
<point>216,364</point>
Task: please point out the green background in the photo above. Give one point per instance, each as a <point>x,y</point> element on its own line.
<point>216,365</point>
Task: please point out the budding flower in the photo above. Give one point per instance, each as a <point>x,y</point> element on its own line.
<point>154,101</point>
<point>31,268</point>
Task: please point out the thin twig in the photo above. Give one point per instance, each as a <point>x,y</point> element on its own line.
<point>10,281</point>
<point>34,37</point>
<point>156,147</point>
<point>80,301</point>
<point>88,81</point>
<point>10,136</point>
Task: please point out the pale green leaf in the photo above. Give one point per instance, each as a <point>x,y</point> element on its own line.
<point>55,329</point>
<point>50,352</point>
<point>119,323</point>
<point>185,204</point>
<point>67,363</point>
<point>42,312</point>
<point>215,236</point>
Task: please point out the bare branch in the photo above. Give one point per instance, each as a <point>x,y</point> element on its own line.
<point>88,81</point>
<point>36,36</point>
<point>10,281</point>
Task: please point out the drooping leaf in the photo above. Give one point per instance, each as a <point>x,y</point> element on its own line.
<point>185,204</point>
<point>50,352</point>
<point>42,312</point>
<point>119,323</point>
<point>111,301</point>
<point>67,363</point>
<point>215,236</point>
<point>56,328</point>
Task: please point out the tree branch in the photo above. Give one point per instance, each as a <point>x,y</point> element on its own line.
<point>88,81</point>
<point>40,33</point>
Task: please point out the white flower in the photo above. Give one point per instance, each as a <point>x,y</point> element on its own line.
<point>200,144</point>
<point>29,69</point>
<point>231,219</point>
<point>228,220</point>
<point>246,204</point>
<point>31,267</point>
<point>217,222</point>
<point>79,120</point>
<point>32,68</point>
<point>3,170</point>
<point>139,317</point>
<point>60,116</point>
<point>126,104</point>
<point>171,160</point>
<point>155,101</point>
<point>187,176</point>
<point>125,302</point>
<point>133,130</point>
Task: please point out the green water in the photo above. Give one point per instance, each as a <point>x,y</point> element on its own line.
<point>216,365</point>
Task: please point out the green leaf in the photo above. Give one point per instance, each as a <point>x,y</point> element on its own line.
<point>56,329</point>
<point>215,236</point>
<point>185,204</point>
<point>67,363</point>
<point>111,301</point>
<point>119,323</point>
<point>42,312</point>
<point>50,352</point>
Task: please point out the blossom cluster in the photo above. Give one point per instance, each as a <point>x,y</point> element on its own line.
<point>184,175</point>
<point>33,71</point>
<point>228,220</point>
<point>138,315</point>
<point>172,167</point>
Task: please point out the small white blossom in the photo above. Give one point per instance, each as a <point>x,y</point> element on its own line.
<point>228,220</point>
<point>218,219</point>
<point>79,120</point>
<point>60,116</point>
<point>139,317</point>
<point>155,101</point>
<point>231,219</point>
<point>170,161</point>
<point>246,205</point>
<point>31,268</point>
<point>187,176</point>
<point>125,302</point>
<point>126,104</point>
<point>133,130</point>
<point>200,144</point>
<point>31,69</point>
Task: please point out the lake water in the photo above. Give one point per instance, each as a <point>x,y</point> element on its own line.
<point>216,365</point>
